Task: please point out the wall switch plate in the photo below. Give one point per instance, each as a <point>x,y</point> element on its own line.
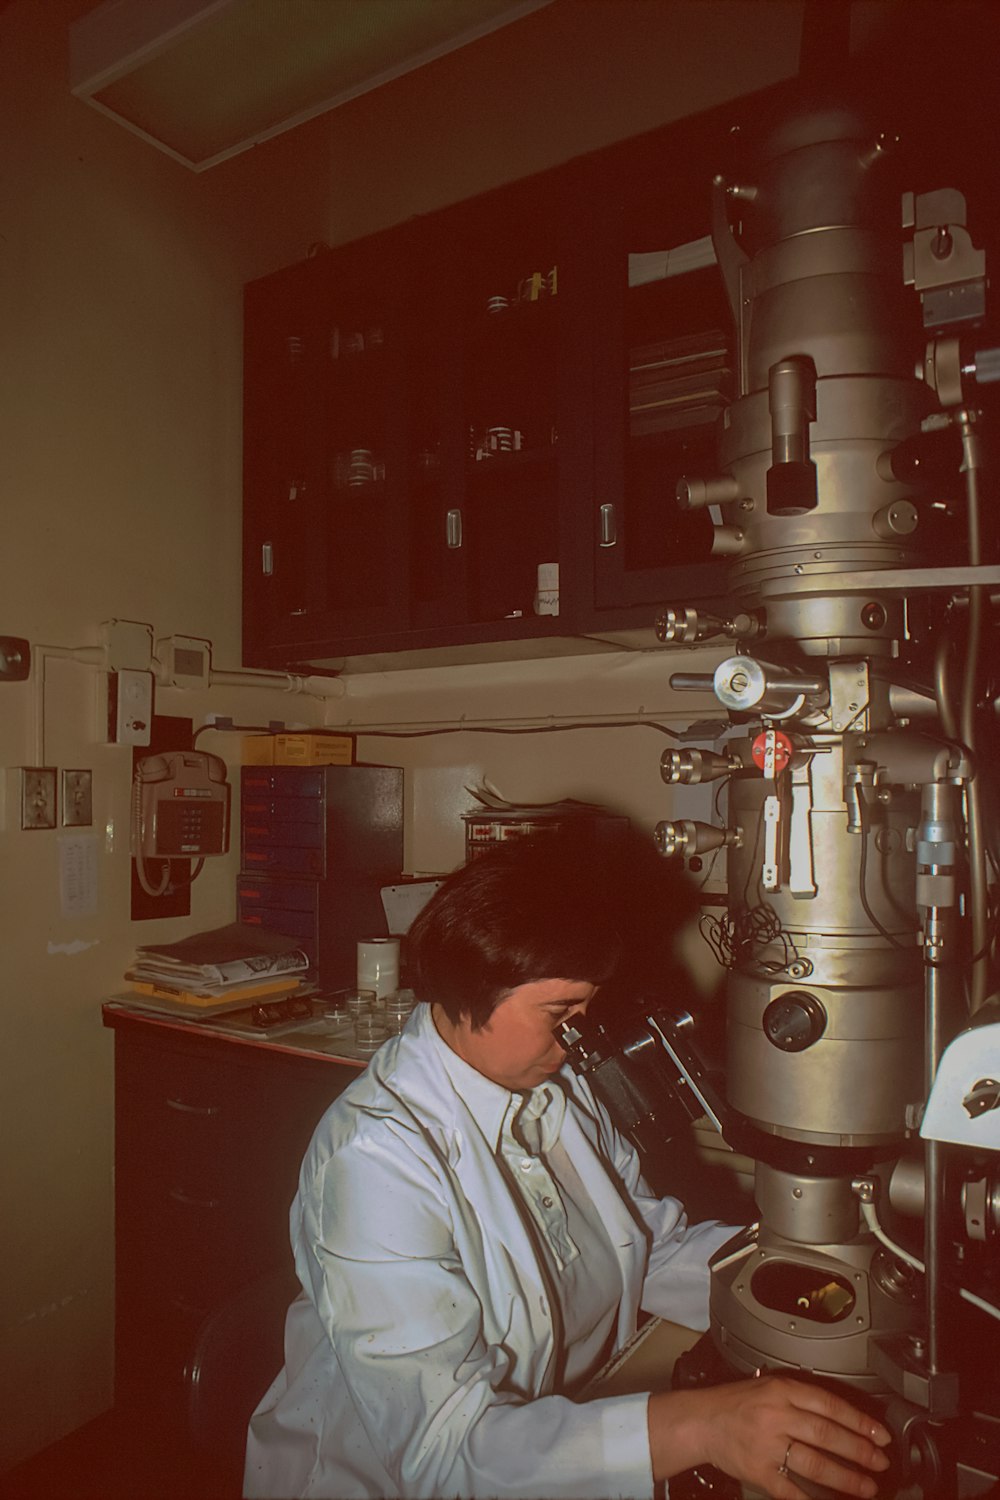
<point>77,799</point>
<point>130,707</point>
<point>38,796</point>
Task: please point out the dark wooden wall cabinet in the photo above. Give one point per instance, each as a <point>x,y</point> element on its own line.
<point>434,411</point>
<point>209,1137</point>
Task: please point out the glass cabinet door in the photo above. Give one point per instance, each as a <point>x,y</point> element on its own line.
<point>364,561</point>
<point>667,374</point>
<point>282,426</point>
<point>435,458</point>
<point>520,400</point>
<point>325,450</point>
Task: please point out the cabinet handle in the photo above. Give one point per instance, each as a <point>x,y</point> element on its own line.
<point>608,526</point>
<point>453,528</point>
<point>179,1196</point>
<point>194,1109</point>
<point>267,559</point>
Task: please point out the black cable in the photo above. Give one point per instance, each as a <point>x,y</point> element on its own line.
<point>716,812</point>
<point>864,819</point>
<point>417,734</point>
<point>753,860</point>
<point>715,932</point>
<point>717,794</point>
<point>179,885</point>
<point>235,729</point>
<point>734,939</point>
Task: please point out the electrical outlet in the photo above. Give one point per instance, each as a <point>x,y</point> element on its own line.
<point>130,707</point>
<point>77,799</point>
<point>38,796</point>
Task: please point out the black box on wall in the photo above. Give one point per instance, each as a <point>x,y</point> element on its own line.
<point>317,845</point>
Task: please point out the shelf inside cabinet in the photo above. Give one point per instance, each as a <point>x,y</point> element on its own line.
<point>498,465</point>
<point>513,327</point>
<point>513,369</point>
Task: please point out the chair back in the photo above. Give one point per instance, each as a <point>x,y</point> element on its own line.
<point>239,1351</point>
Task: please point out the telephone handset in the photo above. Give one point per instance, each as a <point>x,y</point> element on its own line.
<point>180,810</point>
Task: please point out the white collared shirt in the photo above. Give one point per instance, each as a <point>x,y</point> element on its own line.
<point>524,1130</point>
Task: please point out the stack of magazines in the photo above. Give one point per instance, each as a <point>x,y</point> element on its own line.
<point>224,969</point>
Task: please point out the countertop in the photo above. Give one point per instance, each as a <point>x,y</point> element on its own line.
<point>311,1036</point>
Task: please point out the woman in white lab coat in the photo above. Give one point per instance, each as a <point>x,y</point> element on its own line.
<point>474,1238</point>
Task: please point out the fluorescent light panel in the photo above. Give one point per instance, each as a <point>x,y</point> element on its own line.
<point>206,79</point>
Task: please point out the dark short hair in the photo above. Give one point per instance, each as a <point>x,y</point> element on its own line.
<point>587,901</point>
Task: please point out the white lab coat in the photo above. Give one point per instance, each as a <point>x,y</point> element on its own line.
<point>419,1357</point>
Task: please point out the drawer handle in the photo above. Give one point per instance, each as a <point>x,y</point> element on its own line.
<point>179,1196</point>
<point>194,1109</point>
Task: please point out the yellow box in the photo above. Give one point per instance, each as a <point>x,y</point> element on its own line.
<point>313,750</point>
<point>258,749</point>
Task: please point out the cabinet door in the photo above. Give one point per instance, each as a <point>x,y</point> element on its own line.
<point>208,1141</point>
<point>663,375</point>
<point>325,424</point>
<point>284,361</point>
<point>438,575</point>
<point>516,396</point>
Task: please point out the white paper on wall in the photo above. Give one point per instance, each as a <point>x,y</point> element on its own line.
<point>78,875</point>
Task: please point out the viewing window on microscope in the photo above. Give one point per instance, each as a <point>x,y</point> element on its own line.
<point>802,1292</point>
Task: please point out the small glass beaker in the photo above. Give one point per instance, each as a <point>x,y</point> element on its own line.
<point>397,1008</point>
<point>358,1002</point>
<point>332,1009</point>
<point>369,1033</point>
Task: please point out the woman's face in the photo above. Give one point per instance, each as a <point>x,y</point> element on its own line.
<point>516,1048</point>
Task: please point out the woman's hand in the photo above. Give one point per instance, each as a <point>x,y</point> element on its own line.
<point>765,1432</point>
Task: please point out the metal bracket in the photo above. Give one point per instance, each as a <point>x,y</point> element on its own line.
<point>849,695</point>
<point>899,1359</point>
<point>801,873</point>
<point>772,828</point>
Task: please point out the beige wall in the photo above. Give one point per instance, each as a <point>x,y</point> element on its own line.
<point>120,330</point>
<point>616,766</point>
<point>120,277</point>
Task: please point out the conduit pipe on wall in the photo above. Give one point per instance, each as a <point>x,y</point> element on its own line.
<point>88,656</point>
<point>318,687</point>
<point>312,687</point>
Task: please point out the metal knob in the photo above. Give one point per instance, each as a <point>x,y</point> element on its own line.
<point>690,767</point>
<point>688,837</point>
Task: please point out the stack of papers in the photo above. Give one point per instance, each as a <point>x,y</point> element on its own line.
<point>225,968</point>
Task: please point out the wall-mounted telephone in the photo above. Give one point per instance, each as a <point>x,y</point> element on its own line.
<point>180,810</point>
